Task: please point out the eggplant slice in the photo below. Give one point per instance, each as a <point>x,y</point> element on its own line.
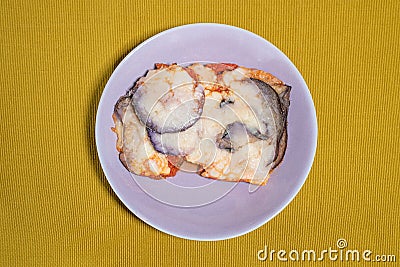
<point>176,144</point>
<point>168,100</point>
<point>235,136</point>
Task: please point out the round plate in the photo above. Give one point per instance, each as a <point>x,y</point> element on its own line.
<point>188,205</point>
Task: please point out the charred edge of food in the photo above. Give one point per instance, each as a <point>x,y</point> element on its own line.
<point>137,83</point>
<point>123,161</point>
<point>235,136</point>
<point>226,101</point>
<point>281,149</point>
<point>131,91</point>
<point>284,98</point>
<point>282,141</point>
<point>121,105</point>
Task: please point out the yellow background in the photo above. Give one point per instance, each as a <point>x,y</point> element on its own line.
<point>57,208</point>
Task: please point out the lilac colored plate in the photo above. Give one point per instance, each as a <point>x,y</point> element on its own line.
<point>187,205</point>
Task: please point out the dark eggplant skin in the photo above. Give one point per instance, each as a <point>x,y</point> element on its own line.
<point>235,136</point>
<point>279,105</point>
<point>284,98</point>
<point>147,118</point>
<point>273,102</point>
<point>160,146</point>
<point>226,101</point>
<point>121,105</point>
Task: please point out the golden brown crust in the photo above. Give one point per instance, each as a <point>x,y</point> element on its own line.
<point>264,76</point>
<point>162,65</point>
<point>173,170</point>
<point>250,181</point>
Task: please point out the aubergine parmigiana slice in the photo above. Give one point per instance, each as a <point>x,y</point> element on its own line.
<point>225,121</point>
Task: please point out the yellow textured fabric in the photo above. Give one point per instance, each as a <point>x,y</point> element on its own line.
<point>57,208</point>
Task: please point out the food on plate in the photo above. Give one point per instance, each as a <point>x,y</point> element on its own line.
<point>220,120</point>
<point>168,100</point>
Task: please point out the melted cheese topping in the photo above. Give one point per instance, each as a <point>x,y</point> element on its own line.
<point>137,152</point>
<point>252,104</point>
<point>205,75</point>
<point>252,161</point>
<point>168,99</point>
<point>166,95</point>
